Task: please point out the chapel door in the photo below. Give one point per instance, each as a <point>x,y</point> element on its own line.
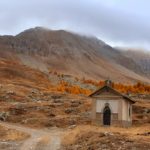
<point>107,116</point>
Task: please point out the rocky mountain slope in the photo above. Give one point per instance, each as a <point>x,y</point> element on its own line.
<point>70,53</point>
<point>141,58</point>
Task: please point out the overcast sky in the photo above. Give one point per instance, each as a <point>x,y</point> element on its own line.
<point>117,22</point>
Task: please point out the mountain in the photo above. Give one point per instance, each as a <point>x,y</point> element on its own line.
<point>141,58</point>
<point>71,53</point>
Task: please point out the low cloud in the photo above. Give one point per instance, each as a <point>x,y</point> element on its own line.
<point>113,21</point>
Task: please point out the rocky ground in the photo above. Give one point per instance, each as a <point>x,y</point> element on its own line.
<point>70,113</point>
<point>55,110</point>
<point>80,137</point>
<point>49,109</point>
<point>29,100</point>
<point>98,138</point>
<point>107,141</point>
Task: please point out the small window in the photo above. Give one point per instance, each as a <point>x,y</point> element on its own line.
<point>129,111</point>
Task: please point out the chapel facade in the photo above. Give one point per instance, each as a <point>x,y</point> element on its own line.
<point>110,107</point>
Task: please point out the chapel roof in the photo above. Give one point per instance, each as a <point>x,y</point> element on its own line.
<point>108,86</point>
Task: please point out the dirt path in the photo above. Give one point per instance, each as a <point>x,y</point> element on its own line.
<point>46,139</point>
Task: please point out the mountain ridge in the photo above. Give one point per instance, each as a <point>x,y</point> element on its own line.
<point>71,53</point>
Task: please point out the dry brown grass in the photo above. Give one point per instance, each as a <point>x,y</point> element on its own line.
<point>7,134</point>
<point>143,103</point>
<point>71,135</point>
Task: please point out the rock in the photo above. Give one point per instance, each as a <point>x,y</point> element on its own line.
<point>56,96</point>
<point>75,103</point>
<point>72,126</point>
<point>36,99</point>
<point>19,109</point>
<point>69,110</point>
<point>72,122</point>
<point>101,134</point>
<point>51,115</point>
<point>25,121</point>
<point>144,134</point>
<point>146,111</point>
<point>35,91</point>
<point>58,104</point>
<point>129,141</point>
<point>4,116</point>
<point>50,124</point>
<point>57,101</point>
<point>52,105</point>
<point>86,114</point>
<point>10,92</point>
<point>108,133</point>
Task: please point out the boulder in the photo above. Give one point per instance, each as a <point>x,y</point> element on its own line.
<point>4,116</point>
<point>10,92</point>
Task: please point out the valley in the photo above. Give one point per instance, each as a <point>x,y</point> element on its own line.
<point>45,79</point>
